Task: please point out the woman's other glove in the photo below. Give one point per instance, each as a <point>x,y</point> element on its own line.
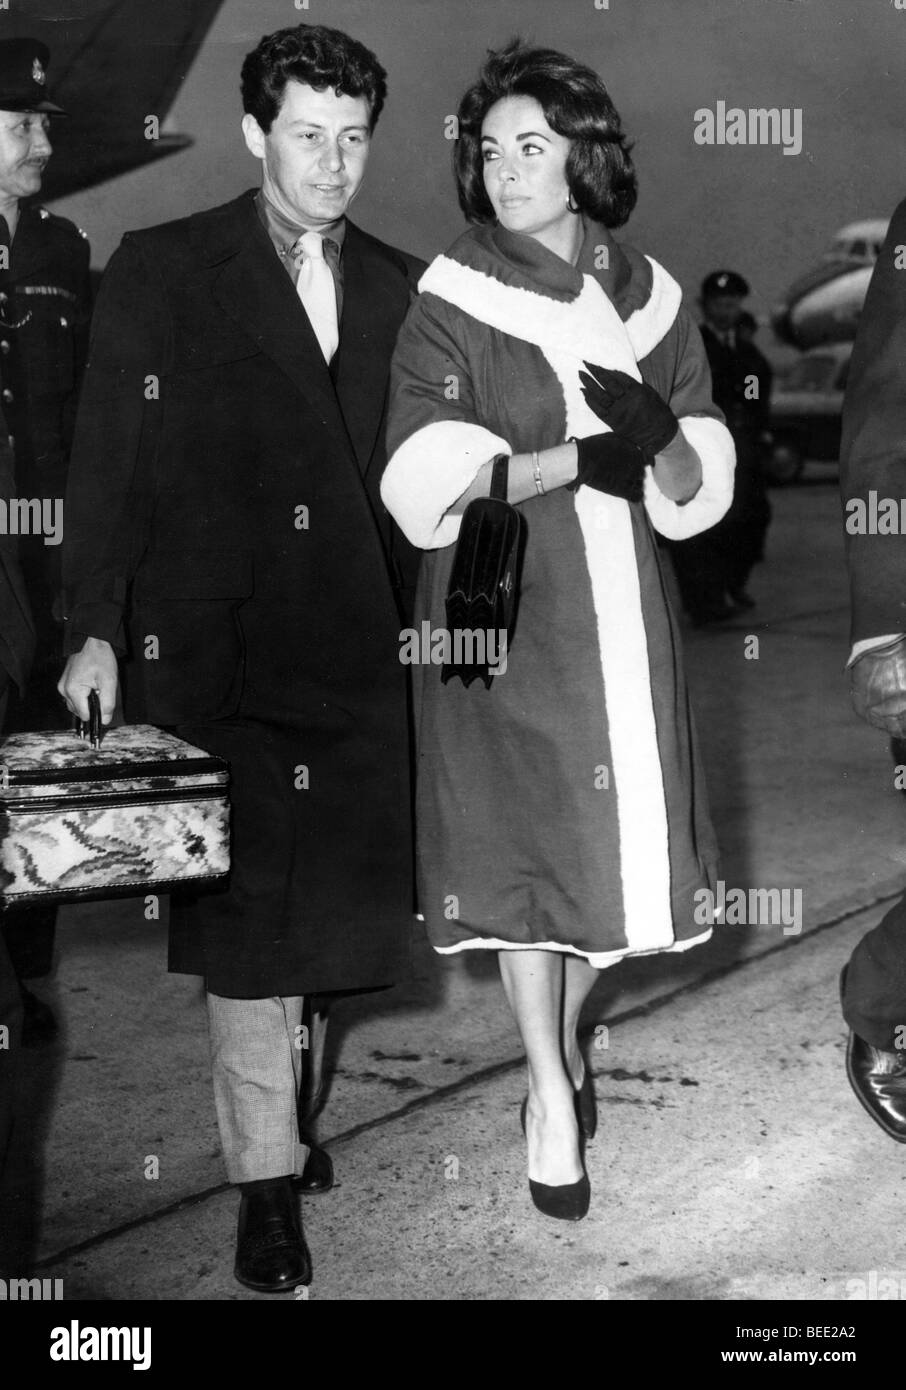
<point>878,687</point>
<point>611,464</point>
<point>630,408</point>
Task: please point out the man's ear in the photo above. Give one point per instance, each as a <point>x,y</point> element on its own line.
<point>253,135</point>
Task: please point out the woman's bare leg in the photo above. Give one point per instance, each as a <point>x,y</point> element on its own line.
<point>533,983</point>
<point>579,979</point>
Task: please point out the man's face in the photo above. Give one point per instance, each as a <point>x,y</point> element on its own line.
<point>24,151</point>
<point>314,154</point>
<point>722,311</point>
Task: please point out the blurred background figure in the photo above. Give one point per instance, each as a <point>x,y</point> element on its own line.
<point>713,568</point>
<point>45,306</point>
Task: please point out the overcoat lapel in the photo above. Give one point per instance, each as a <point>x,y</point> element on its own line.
<point>374,305</point>
<point>252,287</point>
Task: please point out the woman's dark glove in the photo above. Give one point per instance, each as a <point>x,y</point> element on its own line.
<point>630,408</point>
<point>611,464</point>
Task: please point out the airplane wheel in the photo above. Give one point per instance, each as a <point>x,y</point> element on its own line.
<point>785,462</point>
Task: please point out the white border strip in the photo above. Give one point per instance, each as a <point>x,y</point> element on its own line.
<point>599,959</point>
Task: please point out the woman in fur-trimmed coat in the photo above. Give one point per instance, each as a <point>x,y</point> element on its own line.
<point>562,818</point>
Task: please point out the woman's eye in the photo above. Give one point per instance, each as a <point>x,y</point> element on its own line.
<point>488,155</point>
<point>531,149</point>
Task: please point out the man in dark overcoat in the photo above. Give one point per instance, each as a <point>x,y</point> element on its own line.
<point>226,543</point>
<point>872,473</point>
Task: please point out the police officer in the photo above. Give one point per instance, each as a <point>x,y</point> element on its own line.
<point>713,569</point>
<point>45,305</point>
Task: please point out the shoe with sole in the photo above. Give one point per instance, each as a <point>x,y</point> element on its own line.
<point>271,1254</point>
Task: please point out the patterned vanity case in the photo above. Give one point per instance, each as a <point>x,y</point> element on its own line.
<point>143,812</point>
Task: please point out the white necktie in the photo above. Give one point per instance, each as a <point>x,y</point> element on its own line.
<point>316,290</point>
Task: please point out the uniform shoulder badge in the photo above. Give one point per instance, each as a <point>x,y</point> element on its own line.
<point>37,72</point>
<point>43,214</point>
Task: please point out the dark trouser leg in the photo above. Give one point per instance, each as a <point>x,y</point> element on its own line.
<point>29,932</point>
<point>874,997</point>
<point>10,1039</point>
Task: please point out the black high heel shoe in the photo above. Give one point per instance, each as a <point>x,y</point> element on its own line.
<point>587,1108</point>
<point>566,1201</point>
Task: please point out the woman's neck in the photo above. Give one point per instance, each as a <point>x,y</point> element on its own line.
<point>564,238</point>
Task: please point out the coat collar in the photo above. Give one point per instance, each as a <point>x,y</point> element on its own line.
<point>544,300</point>
<point>33,243</point>
<point>252,287</point>
<point>523,263</point>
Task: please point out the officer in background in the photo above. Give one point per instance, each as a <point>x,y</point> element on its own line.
<point>713,569</point>
<point>45,306</point>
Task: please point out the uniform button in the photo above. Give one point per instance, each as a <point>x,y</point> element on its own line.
<point>8,395</point>
<point>64,323</point>
<point>3,297</point>
<point>4,347</point>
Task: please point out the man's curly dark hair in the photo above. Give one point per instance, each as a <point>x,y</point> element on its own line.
<point>310,53</point>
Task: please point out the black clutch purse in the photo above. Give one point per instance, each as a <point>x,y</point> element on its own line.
<point>483,590</point>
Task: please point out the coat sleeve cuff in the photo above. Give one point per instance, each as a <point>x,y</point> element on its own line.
<point>714,445</point>
<point>101,620</point>
<point>429,471</point>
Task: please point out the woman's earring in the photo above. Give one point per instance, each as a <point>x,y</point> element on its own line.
<point>571,203</point>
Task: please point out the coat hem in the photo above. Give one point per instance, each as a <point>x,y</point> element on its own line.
<point>599,959</point>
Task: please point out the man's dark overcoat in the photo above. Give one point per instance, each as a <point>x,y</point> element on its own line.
<point>873,444</point>
<point>225,533</point>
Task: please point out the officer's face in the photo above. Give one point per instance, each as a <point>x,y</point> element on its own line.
<point>722,311</point>
<point>314,154</point>
<point>24,151</point>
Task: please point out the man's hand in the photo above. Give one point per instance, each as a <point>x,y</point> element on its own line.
<point>878,687</point>
<point>93,668</point>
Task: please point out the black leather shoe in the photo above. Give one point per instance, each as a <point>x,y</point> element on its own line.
<point>567,1201</point>
<point>271,1254</point>
<point>879,1080</point>
<point>587,1108</point>
<point>317,1175</point>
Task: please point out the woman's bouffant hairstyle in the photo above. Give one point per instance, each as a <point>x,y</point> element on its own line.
<point>314,54</point>
<point>576,104</point>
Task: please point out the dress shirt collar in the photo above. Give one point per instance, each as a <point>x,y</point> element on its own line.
<point>285,234</point>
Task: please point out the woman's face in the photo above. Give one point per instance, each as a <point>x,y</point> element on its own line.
<point>525,168</point>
